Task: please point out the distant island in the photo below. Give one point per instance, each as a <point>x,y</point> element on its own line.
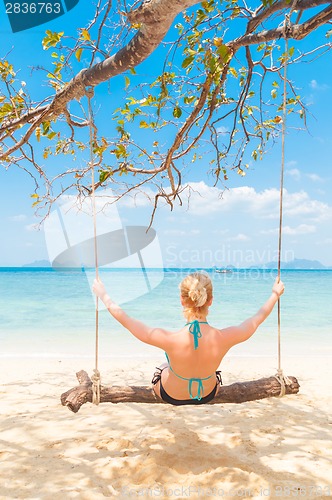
<point>39,263</point>
<point>296,264</point>
<point>292,264</point>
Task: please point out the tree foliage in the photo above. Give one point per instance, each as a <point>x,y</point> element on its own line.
<point>219,91</point>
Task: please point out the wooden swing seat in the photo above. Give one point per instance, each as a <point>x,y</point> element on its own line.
<point>239,392</point>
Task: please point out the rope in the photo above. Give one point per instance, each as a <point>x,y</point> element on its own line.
<point>283,379</point>
<point>92,130</point>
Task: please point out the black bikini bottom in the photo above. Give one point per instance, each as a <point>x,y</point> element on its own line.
<point>179,402</point>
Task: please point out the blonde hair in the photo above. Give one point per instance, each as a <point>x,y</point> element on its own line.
<point>196,293</point>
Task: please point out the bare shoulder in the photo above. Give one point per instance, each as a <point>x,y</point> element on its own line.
<point>233,335</point>
<point>162,338</point>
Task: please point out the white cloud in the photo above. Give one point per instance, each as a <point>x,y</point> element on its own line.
<point>269,231</point>
<point>239,237</point>
<point>318,86</point>
<point>301,229</point>
<point>140,199</point>
<point>291,163</point>
<point>174,232</point>
<point>295,173</point>
<point>18,218</point>
<point>205,200</point>
<point>180,232</point>
<point>299,204</point>
<point>314,178</point>
<point>292,231</point>
<point>201,200</point>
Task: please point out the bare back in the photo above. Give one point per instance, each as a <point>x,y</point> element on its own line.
<point>189,363</point>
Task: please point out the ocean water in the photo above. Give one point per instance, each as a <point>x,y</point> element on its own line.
<point>44,312</point>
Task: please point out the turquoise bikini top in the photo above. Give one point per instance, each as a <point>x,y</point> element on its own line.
<point>195,330</point>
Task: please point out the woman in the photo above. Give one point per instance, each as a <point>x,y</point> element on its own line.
<point>196,350</point>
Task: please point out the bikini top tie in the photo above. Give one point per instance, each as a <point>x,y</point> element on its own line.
<point>195,330</point>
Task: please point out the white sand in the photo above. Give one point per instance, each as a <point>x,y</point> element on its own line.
<point>261,449</point>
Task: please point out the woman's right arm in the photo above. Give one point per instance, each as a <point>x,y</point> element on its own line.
<point>153,336</point>
<point>236,334</point>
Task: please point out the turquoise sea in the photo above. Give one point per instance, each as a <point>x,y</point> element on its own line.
<point>50,313</point>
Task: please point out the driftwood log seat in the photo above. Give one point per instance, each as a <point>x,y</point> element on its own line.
<point>239,392</point>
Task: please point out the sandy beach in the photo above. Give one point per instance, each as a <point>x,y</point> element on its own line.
<point>275,448</point>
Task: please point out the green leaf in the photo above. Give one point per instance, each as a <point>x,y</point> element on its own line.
<point>189,99</point>
<point>6,109</point>
<point>51,39</point>
<point>78,54</point>
<point>46,127</point>
<point>179,27</point>
<point>177,112</point>
<point>187,61</point>
<point>224,53</point>
<point>37,133</point>
<point>46,153</point>
<point>236,12</point>
<point>144,124</point>
<point>120,151</point>
<point>201,15</point>
<point>274,93</point>
<point>51,135</point>
<point>291,51</point>
<point>34,195</point>
<point>127,82</point>
<point>208,6</point>
<point>85,35</point>
<point>233,72</point>
<point>104,174</point>
<point>58,68</point>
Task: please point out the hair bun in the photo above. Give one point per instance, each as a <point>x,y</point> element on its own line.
<point>197,293</point>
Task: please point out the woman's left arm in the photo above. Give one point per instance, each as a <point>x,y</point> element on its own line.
<point>153,336</point>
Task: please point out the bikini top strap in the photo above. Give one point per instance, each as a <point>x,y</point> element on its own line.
<point>195,330</point>
<point>191,381</point>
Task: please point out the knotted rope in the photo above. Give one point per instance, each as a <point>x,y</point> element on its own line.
<point>92,130</point>
<point>283,379</point>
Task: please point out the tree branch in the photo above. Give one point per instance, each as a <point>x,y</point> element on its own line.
<point>296,31</point>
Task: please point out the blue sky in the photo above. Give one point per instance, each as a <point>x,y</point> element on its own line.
<point>237,225</point>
